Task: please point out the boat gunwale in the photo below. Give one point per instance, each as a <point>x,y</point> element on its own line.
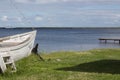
<point>15,36</point>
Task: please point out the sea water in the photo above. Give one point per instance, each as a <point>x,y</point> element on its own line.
<point>69,39</point>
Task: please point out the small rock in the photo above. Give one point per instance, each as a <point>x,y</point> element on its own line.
<point>58,60</point>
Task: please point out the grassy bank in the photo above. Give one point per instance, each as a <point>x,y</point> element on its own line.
<point>89,65</point>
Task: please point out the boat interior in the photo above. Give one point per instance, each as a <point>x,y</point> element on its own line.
<point>13,41</point>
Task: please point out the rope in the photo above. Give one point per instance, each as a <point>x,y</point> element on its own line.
<point>17,9</point>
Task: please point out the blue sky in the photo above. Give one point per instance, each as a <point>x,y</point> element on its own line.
<point>60,13</point>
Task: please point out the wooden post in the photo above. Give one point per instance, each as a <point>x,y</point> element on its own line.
<point>105,41</point>
<point>109,39</point>
<point>35,50</point>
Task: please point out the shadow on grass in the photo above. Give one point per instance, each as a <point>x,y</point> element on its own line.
<point>102,66</point>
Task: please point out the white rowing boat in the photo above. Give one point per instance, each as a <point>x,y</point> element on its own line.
<point>16,46</point>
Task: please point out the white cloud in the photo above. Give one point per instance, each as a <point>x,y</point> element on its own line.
<point>55,1</point>
<point>23,1</point>
<point>4,18</point>
<point>116,21</point>
<point>118,15</point>
<point>19,19</point>
<point>45,1</point>
<point>38,18</point>
<point>105,17</point>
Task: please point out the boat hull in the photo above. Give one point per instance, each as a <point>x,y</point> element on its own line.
<point>23,49</point>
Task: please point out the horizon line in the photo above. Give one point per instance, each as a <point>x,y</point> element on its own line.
<point>54,27</point>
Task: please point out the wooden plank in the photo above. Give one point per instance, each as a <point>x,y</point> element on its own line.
<point>108,39</point>
<point>2,64</point>
<point>112,39</point>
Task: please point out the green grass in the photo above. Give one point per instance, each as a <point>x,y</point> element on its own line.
<point>99,64</point>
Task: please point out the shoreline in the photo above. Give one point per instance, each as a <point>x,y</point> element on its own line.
<point>49,52</point>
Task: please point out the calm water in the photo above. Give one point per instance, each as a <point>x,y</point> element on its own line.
<point>69,39</point>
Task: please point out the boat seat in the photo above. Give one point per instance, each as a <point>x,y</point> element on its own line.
<point>8,44</point>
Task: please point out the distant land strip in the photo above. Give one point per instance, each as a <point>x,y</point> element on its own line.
<point>60,27</point>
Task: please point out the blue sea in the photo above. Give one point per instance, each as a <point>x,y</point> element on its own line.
<point>69,39</point>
